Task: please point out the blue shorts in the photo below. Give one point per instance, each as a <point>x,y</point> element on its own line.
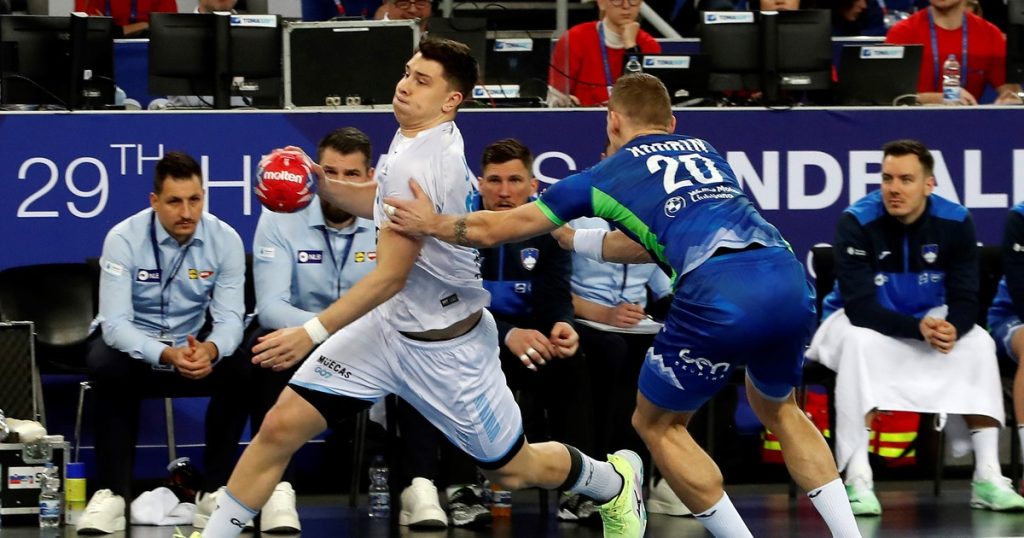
<point>1002,333</point>
<point>752,308</point>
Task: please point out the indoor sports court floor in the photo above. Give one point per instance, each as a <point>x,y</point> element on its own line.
<point>910,510</point>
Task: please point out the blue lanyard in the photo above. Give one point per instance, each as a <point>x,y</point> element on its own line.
<point>604,56</point>
<point>344,258</point>
<point>935,52</point>
<point>134,14</point>
<point>179,261</point>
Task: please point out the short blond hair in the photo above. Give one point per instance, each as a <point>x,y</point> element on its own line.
<point>642,99</point>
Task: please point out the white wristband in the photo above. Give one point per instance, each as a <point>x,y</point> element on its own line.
<point>589,243</point>
<point>316,330</point>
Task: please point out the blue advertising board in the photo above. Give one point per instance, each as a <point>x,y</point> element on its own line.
<point>68,177</point>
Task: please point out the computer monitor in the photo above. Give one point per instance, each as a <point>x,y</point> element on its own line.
<point>685,75</point>
<point>516,59</point>
<point>60,61</point>
<point>1015,42</point>
<point>217,55</point>
<point>346,63</point>
<point>472,31</point>
<point>733,45</point>
<point>877,74</point>
<point>798,51</point>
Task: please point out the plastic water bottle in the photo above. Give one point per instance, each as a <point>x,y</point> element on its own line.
<point>49,497</point>
<point>951,81</point>
<point>380,495</point>
<point>633,65</point>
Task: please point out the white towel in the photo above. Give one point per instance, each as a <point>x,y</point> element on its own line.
<point>874,371</point>
<point>161,507</point>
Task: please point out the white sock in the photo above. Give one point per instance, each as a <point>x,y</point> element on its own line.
<point>831,502</point>
<point>859,465</point>
<point>598,480</point>
<point>986,453</point>
<point>722,519</point>
<point>229,519</point>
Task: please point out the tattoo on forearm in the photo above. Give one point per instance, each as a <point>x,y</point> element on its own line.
<point>460,232</point>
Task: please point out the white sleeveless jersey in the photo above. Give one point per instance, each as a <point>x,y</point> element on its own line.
<point>444,286</point>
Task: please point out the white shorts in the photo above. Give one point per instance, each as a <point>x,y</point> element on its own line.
<point>456,384</point>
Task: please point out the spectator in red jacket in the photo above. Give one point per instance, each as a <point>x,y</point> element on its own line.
<point>589,58</point>
<point>132,16</point>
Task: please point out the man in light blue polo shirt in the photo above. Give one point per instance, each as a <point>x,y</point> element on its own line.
<point>163,271</point>
<point>302,262</point>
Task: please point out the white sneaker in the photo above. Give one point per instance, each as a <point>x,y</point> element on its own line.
<point>421,508</point>
<point>279,514</point>
<point>665,501</point>
<point>206,504</point>
<point>104,514</point>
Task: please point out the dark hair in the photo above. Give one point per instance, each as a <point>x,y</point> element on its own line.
<point>899,148</point>
<point>642,99</point>
<point>460,67</point>
<point>346,141</point>
<point>175,165</point>
<point>503,151</point>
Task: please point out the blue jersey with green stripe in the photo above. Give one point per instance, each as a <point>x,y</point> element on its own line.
<point>673,194</point>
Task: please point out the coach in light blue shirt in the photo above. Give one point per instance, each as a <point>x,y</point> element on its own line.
<point>162,271</point>
<point>303,262</point>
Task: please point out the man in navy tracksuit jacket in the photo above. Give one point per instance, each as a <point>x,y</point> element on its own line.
<point>899,328</point>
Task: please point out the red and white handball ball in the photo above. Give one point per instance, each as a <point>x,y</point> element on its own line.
<point>285,182</point>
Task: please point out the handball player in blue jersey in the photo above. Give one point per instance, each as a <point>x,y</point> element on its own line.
<point>741,295</point>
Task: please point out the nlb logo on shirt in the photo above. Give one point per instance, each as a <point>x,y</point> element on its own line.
<point>310,256</point>
<point>148,275</point>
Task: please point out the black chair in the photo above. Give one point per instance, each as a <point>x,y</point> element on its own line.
<point>60,299</point>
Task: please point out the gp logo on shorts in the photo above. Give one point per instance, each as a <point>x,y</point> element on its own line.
<point>701,366</point>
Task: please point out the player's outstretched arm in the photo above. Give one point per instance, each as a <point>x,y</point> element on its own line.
<point>396,255</point>
<point>616,246</point>
<point>483,229</point>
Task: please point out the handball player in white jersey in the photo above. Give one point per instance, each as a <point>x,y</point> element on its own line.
<point>416,326</point>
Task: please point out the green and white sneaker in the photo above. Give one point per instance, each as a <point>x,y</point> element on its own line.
<point>624,516</point>
<point>862,498</point>
<point>996,494</point>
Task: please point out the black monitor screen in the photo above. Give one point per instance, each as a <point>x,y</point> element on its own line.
<point>50,61</point>
<point>472,31</point>
<point>518,59</point>
<point>346,63</point>
<point>188,56</point>
<point>1015,42</point>
<point>732,43</point>
<point>685,75</point>
<point>804,57</point>
<point>877,74</point>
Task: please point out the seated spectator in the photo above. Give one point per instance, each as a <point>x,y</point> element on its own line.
<point>899,329</point>
<point>532,306</point>
<point>858,17</point>
<point>395,10</point>
<point>590,57</point>
<point>130,16</point>
<point>1004,318</point>
<point>216,6</point>
<point>976,43</point>
<point>163,271</point>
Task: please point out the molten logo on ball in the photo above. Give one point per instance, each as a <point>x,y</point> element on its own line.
<point>285,183</point>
